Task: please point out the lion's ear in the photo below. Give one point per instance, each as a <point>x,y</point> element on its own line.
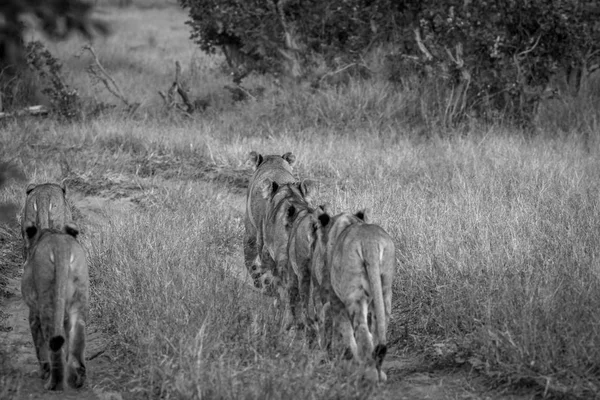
<point>268,188</point>
<point>31,230</point>
<point>30,187</point>
<point>307,188</point>
<point>72,230</point>
<point>291,214</point>
<point>324,219</point>
<point>256,159</point>
<point>63,186</point>
<point>290,158</point>
<point>326,208</point>
<point>318,225</point>
<point>363,214</point>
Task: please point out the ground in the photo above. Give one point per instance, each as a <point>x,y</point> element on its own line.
<point>409,375</point>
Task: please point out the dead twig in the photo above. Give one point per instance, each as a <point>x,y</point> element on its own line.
<point>176,87</point>
<point>421,45</point>
<point>98,71</point>
<point>96,354</point>
<point>239,92</point>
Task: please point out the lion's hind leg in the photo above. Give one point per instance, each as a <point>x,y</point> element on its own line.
<point>364,340</point>
<point>55,346</point>
<point>380,339</point>
<point>57,368</point>
<point>343,325</point>
<point>41,347</point>
<point>76,372</point>
<point>303,296</point>
<point>369,356</point>
<point>265,278</point>
<point>250,255</point>
<point>293,296</point>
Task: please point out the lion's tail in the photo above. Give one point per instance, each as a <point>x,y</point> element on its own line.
<point>61,262</point>
<point>373,264</point>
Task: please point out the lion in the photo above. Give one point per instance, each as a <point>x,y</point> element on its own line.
<point>283,205</point>
<point>301,244</point>
<point>55,287</point>
<point>45,207</point>
<point>354,262</point>
<point>277,169</point>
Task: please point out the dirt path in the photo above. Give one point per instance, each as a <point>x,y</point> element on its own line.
<point>16,345</point>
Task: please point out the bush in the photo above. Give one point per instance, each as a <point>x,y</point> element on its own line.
<point>501,55</point>
<point>494,56</point>
<point>290,35</point>
<point>57,18</point>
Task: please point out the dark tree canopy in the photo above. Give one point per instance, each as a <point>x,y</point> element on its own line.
<point>493,54</point>
<point>57,18</point>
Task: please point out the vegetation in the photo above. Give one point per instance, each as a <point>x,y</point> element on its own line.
<point>489,57</point>
<point>496,229</point>
<point>57,19</point>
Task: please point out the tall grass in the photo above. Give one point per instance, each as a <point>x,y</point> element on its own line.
<point>497,231</point>
<point>175,299</point>
<point>498,263</point>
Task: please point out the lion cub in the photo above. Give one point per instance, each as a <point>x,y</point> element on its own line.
<point>55,286</point>
<point>45,207</point>
<point>356,261</point>
<point>274,168</point>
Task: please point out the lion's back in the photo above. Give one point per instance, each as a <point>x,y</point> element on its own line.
<point>39,272</point>
<point>51,198</point>
<point>357,245</point>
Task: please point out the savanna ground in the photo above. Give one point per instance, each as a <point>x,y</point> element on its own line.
<point>497,289</point>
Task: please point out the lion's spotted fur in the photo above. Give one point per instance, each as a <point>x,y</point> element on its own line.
<point>274,168</point>
<point>55,286</point>
<point>45,207</point>
<point>355,261</point>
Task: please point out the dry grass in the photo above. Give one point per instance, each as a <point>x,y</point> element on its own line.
<point>497,232</point>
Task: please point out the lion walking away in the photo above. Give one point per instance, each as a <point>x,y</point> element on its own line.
<point>358,260</point>
<point>55,287</point>
<point>277,169</point>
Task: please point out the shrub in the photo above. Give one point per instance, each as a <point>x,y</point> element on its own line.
<point>493,56</point>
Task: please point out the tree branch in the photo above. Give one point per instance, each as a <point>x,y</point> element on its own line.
<point>177,87</point>
<point>98,71</point>
<point>421,46</point>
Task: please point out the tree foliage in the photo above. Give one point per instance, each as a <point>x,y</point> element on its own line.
<point>503,54</point>
<point>57,18</point>
<point>493,54</point>
<point>288,35</point>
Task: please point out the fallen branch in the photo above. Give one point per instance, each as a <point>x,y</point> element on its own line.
<point>33,110</point>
